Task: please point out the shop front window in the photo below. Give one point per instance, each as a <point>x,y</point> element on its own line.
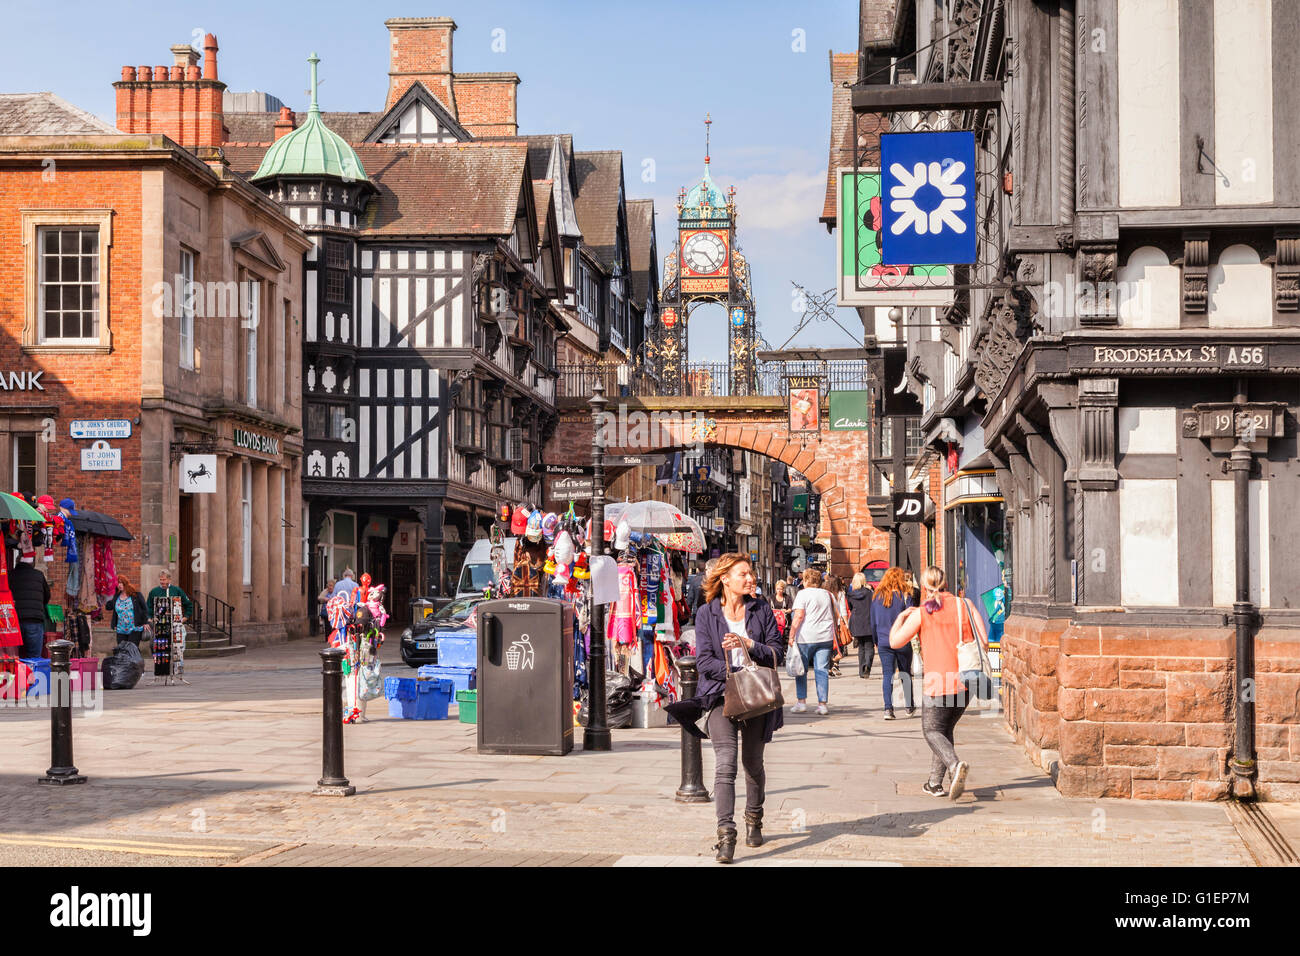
<point>344,541</point>
<point>25,464</point>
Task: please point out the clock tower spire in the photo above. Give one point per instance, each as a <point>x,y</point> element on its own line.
<point>706,266</point>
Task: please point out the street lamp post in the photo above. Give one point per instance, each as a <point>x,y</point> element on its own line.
<point>597,736</point>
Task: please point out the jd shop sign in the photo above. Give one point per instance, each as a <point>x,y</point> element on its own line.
<point>850,410</point>
<point>252,441</point>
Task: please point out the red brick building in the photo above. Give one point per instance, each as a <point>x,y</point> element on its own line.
<point>143,285</point>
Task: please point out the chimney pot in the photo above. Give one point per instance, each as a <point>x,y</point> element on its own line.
<point>192,72</point>
<point>177,73</point>
<point>128,74</point>
<point>160,74</point>
<point>145,73</point>
<point>286,123</point>
<point>209,57</point>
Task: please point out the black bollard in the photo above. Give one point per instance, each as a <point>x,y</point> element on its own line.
<point>692,788</point>
<point>332,782</point>
<point>61,767</point>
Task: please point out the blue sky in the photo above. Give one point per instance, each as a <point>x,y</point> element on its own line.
<point>632,76</point>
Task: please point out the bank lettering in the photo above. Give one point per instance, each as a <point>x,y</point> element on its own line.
<point>255,442</point>
<point>21,381</point>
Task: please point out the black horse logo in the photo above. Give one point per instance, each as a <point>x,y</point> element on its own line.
<point>197,473</point>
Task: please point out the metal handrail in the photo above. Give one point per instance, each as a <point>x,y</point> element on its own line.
<point>213,616</point>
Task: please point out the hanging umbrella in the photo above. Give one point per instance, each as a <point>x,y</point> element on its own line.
<point>92,522</point>
<point>679,532</point>
<point>16,509</point>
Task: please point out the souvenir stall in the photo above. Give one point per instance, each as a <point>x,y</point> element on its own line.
<point>74,551</point>
<point>357,618</point>
<point>647,540</point>
<point>549,561</point>
<point>644,634</point>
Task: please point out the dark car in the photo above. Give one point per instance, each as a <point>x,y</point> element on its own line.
<point>419,642</point>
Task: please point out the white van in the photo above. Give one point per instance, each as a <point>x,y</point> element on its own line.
<point>477,572</point>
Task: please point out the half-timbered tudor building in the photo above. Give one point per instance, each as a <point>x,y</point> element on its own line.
<point>1117,382</point>
<point>429,335</point>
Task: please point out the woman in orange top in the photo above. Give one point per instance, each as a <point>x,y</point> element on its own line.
<point>944,693</point>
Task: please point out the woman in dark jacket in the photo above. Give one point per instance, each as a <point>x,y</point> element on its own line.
<point>892,597</point>
<point>859,596</point>
<point>730,624</point>
<point>129,613</point>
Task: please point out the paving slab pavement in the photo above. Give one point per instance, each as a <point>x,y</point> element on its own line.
<point>233,757</point>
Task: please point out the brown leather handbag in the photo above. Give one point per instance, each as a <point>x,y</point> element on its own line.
<point>752,691</point>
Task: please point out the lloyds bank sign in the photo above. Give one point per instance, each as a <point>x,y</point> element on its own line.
<point>252,441</point>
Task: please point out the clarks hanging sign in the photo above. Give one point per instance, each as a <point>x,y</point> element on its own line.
<point>252,441</point>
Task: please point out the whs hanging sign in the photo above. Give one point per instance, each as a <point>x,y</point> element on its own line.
<point>927,183</point>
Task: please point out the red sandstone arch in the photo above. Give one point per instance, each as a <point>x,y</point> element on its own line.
<point>834,462</point>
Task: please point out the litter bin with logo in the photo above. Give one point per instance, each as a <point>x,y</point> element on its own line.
<point>525,676</point>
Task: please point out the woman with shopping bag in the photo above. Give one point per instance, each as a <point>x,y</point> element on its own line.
<point>737,652</point>
<point>943,622</point>
<point>891,599</point>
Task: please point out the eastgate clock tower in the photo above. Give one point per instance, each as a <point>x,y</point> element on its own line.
<point>705,265</point>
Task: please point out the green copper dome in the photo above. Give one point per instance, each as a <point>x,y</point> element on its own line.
<point>313,149</point>
<point>706,193</point>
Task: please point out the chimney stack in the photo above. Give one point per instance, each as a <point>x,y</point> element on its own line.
<point>420,51</point>
<point>285,124</point>
<point>176,102</point>
<point>487,104</point>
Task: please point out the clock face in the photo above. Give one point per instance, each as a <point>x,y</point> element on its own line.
<point>704,253</point>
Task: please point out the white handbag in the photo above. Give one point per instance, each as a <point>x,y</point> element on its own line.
<point>969,657</point>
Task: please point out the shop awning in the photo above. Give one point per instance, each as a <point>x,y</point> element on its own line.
<point>970,488</point>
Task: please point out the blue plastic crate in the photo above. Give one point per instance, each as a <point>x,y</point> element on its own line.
<point>40,685</point>
<point>465,678</point>
<point>458,652</point>
<point>400,694</point>
<point>432,698</point>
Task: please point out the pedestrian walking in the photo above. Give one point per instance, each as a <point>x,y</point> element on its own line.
<point>129,612</point>
<point>781,602</point>
<point>812,634</point>
<point>835,589</point>
<point>347,583</point>
<point>31,593</point>
<point>859,599</point>
<point>891,599</point>
<point>941,622</point>
<point>322,599</point>
<point>732,627</point>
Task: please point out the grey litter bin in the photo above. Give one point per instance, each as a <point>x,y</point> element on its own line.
<point>525,676</point>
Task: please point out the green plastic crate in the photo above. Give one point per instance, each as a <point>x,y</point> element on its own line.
<point>467,706</point>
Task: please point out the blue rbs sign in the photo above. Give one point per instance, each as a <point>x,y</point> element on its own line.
<point>927,185</point>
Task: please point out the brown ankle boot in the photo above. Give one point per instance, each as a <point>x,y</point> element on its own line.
<point>753,828</point>
<point>726,845</point>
